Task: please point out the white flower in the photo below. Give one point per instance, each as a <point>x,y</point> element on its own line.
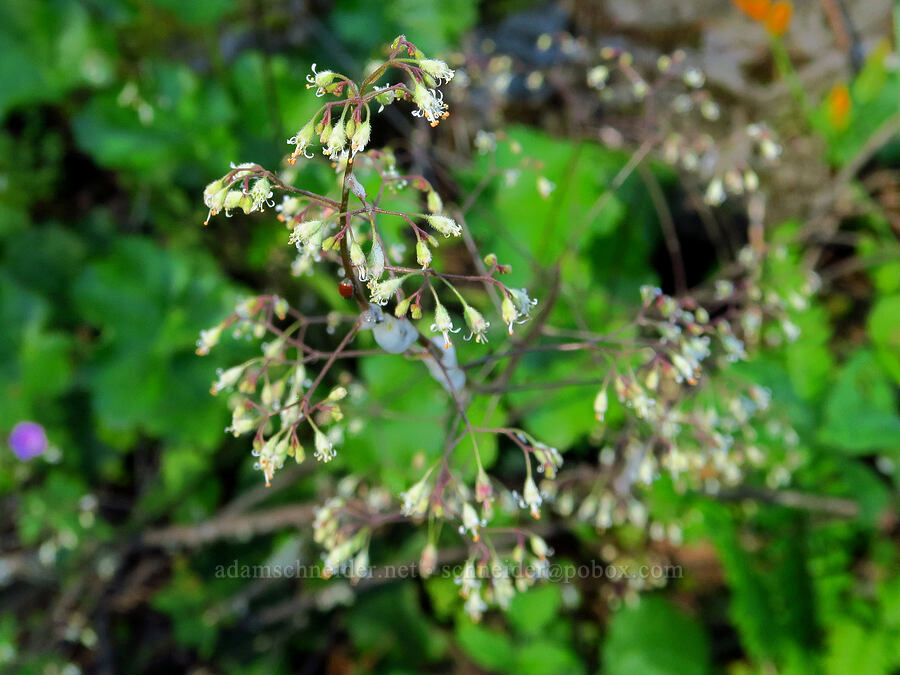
<point>437,69</point>
<point>539,546</point>
<point>443,324</point>
<point>261,194</point>
<point>532,497</point>
<point>474,605</point>
<point>325,451</point>
<point>430,104</point>
<point>715,192</point>
<point>227,379</point>
<point>361,136</point>
<point>304,231</point>
<point>416,499</point>
<point>337,139</point>
<point>208,339</point>
<point>516,307</point>
<point>471,521</point>
<point>476,324</point>
<point>446,226</point>
<point>601,403</point>
<point>320,80</point>
<point>383,291</point>
<point>503,590</point>
<point>302,141</point>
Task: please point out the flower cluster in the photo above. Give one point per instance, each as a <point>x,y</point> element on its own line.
<point>677,421</point>
<point>235,191</point>
<point>344,126</point>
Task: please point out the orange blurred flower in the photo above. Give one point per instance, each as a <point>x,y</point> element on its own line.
<point>775,16</point>
<point>778,17</point>
<point>838,106</point>
<point>755,9</point>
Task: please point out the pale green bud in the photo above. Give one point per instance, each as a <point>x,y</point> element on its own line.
<point>423,254</point>
<point>435,205</point>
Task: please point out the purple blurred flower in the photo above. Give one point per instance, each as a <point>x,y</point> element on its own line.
<point>28,440</point>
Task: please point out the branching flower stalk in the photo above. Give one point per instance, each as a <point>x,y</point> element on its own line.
<point>653,367</point>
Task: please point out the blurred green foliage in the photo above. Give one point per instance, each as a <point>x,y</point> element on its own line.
<point>114,116</point>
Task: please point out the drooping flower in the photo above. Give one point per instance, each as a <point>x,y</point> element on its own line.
<point>516,307</point>
<point>337,139</point>
<point>302,141</point>
<point>443,324</point>
<point>320,80</point>
<point>227,379</point>
<point>437,69</point>
<point>325,451</point>
<point>446,226</point>
<point>208,339</point>
<point>430,104</point>
<point>416,499</point>
<point>470,519</point>
<point>360,138</point>
<point>532,497</point>
<point>477,324</point>
<point>382,291</point>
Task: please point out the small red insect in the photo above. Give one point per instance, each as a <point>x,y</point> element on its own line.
<point>345,288</point>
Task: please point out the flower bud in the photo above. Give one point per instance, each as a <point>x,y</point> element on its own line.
<point>428,560</point>
<point>539,546</point>
<point>337,394</point>
<point>232,200</point>
<point>402,307</point>
<point>376,260</point>
<point>423,254</point>
<point>483,490</point>
<point>601,404</point>
<point>435,205</point>
<point>358,259</point>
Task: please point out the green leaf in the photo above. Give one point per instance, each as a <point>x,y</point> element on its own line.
<point>488,648</point>
<point>884,329</point>
<point>385,622</point>
<point>853,648</point>
<point>653,638</point>
<point>531,611</point>
<point>861,410</point>
<point>407,415</point>
<point>542,657</point>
